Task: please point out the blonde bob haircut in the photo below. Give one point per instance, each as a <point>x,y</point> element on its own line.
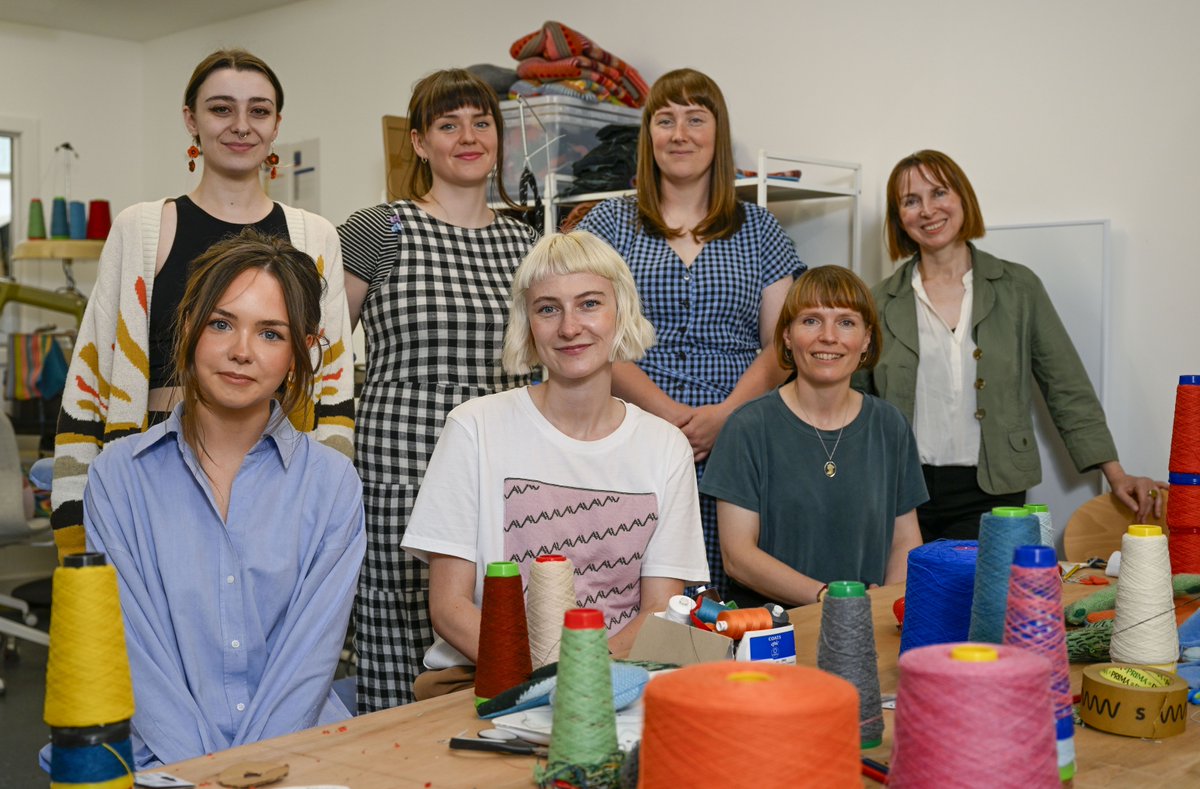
<point>837,288</point>
<point>725,215</point>
<point>939,169</point>
<point>577,252</point>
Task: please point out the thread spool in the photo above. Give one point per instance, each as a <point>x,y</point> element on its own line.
<point>583,740</point>
<point>738,622</point>
<point>1144,626</point>
<point>99,220</point>
<point>1034,621</point>
<point>1183,520</point>
<point>1001,532</point>
<point>503,660</point>
<point>58,219</point>
<point>551,594</point>
<point>969,713</point>
<point>89,692</point>
<point>37,220</point>
<point>1185,433</point>
<point>708,610</point>
<point>937,598</point>
<point>679,609</point>
<point>1045,522</point>
<point>77,214</point>
<point>847,649</point>
<point>796,727</point>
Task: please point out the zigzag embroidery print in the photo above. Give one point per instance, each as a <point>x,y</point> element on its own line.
<point>604,533</point>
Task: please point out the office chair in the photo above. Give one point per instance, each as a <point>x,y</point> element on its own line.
<point>15,529</point>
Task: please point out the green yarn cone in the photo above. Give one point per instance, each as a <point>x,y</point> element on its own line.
<point>583,743</point>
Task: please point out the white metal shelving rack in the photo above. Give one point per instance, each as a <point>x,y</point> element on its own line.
<point>821,179</point>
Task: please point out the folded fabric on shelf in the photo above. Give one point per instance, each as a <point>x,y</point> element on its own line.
<point>557,52</point>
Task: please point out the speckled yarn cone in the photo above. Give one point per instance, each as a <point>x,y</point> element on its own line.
<point>583,742</point>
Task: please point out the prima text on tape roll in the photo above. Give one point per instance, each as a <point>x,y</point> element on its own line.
<point>1135,701</point>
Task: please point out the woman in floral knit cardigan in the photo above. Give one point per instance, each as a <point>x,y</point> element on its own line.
<point>121,380</point>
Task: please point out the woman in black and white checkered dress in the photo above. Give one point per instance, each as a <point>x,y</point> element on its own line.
<point>430,279</point>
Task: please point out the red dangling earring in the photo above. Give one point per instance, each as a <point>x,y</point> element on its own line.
<point>193,152</point>
<point>273,160</point>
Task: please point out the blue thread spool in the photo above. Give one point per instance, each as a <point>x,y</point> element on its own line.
<point>937,601</point>
<point>708,610</point>
<point>78,224</point>
<point>58,219</point>
<point>1001,532</point>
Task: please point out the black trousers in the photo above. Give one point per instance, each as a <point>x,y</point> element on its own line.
<point>956,501</point>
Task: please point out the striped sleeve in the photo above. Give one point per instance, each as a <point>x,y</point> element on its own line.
<point>368,240</point>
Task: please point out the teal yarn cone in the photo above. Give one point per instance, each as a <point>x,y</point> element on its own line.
<point>583,738</point>
<point>58,219</point>
<point>1001,532</point>
<point>847,648</point>
<point>77,213</point>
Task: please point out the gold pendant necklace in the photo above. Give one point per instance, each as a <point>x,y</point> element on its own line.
<point>830,468</point>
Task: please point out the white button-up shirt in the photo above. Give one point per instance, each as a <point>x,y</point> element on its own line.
<point>944,416</point>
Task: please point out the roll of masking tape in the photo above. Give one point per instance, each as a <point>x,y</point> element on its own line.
<point>1135,701</point>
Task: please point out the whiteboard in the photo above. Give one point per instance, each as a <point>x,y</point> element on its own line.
<point>1072,260</point>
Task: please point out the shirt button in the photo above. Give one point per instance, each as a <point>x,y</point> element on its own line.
<point>980,414</point>
<point>235,643</point>
<point>977,353</point>
<point>683,303</point>
<point>241,707</point>
<point>682,356</point>
<point>229,579</point>
<point>687,277</point>
<point>980,383</point>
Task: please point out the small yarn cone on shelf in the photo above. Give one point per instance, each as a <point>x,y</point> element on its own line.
<point>583,740</point>
<point>37,220</point>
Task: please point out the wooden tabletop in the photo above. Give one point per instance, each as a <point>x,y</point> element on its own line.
<point>407,746</point>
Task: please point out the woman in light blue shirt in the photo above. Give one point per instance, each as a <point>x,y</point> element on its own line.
<point>237,539</point>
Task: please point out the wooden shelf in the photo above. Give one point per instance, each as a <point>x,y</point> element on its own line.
<point>58,249</point>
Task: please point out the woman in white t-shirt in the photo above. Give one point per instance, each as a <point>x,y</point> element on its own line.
<point>562,467</point>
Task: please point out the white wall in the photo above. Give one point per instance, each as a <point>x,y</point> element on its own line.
<point>84,90</point>
<point>1078,109</point>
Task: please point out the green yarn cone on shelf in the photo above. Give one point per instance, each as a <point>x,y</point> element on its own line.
<point>583,740</point>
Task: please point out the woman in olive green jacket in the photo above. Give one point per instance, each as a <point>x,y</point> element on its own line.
<point>965,337</point>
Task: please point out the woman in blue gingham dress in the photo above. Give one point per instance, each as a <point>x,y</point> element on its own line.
<point>433,296</point>
<point>712,273</point>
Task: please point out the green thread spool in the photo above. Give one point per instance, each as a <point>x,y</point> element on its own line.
<point>583,740</point>
<point>37,220</point>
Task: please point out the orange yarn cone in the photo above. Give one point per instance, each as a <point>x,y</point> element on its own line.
<point>716,725</point>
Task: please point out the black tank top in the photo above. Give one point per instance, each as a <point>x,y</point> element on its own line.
<point>195,232</point>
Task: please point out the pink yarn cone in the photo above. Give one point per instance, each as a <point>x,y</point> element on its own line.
<point>974,715</point>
